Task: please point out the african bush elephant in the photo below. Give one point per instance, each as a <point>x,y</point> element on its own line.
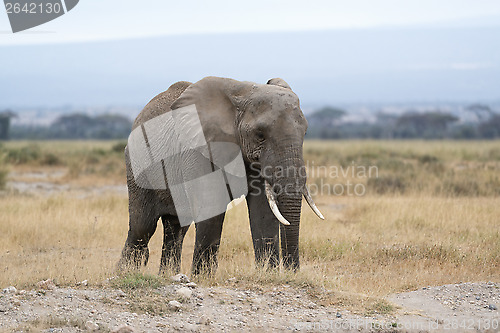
<point>267,125</point>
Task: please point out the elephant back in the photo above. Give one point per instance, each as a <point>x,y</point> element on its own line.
<point>161,103</point>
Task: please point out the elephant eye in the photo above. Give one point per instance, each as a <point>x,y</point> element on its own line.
<point>260,135</point>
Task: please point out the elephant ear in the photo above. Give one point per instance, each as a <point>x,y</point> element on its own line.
<point>279,82</point>
<point>204,118</point>
<point>216,100</point>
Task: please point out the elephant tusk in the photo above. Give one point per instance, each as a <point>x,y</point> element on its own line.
<point>311,203</point>
<point>272,203</point>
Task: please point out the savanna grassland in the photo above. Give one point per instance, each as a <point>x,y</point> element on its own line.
<point>429,214</point>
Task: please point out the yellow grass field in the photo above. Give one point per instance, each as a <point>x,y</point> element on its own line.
<point>430,216</point>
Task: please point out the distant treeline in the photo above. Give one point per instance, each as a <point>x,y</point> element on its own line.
<point>328,123</point>
<point>77,126</point>
<point>325,123</point>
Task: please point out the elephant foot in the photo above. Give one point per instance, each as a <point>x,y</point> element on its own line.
<point>205,261</point>
<point>266,253</point>
<point>291,262</point>
<point>170,264</point>
<point>133,257</point>
<point>267,261</point>
<point>204,268</point>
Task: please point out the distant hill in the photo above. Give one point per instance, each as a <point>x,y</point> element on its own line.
<point>323,67</point>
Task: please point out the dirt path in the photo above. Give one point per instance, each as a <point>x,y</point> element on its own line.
<point>467,307</point>
<point>47,182</point>
<point>463,307</point>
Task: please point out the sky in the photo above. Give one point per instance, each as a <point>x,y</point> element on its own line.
<point>94,20</point>
<point>111,52</point>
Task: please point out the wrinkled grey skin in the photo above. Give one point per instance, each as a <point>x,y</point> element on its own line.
<point>266,121</point>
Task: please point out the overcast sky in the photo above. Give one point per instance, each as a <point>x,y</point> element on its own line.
<point>121,19</point>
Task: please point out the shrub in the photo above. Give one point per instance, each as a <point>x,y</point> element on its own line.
<point>50,159</point>
<point>24,154</point>
<point>119,147</point>
<point>3,174</point>
<point>386,184</point>
<point>460,188</point>
<point>426,158</point>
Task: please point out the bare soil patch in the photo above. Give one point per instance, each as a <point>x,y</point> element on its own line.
<point>450,308</point>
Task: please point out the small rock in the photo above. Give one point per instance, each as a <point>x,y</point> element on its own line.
<point>123,329</point>
<point>10,290</point>
<point>46,284</point>
<point>178,327</point>
<point>191,285</point>
<point>492,307</point>
<point>120,293</point>
<point>83,283</point>
<point>91,326</point>
<point>15,302</point>
<point>256,300</point>
<point>338,315</point>
<point>184,292</point>
<point>233,279</point>
<point>108,280</point>
<point>311,305</point>
<point>180,278</point>
<point>204,320</point>
<point>174,305</point>
<point>185,327</point>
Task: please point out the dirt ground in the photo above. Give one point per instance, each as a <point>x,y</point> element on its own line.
<point>186,307</point>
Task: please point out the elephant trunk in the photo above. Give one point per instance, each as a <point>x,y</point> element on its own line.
<point>286,186</point>
<point>290,206</point>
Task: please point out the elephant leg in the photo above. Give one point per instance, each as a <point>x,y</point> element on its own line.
<point>135,252</point>
<point>263,225</point>
<point>208,234</point>
<point>142,226</point>
<point>173,236</point>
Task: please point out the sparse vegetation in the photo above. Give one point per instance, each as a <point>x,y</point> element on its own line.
<point>379,307</point>
<point>51,322</point>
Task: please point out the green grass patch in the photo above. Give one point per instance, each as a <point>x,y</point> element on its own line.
<point>138,280</point>
<point>379,307</point>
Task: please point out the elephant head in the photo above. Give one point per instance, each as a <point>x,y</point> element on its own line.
<point>266,121</point>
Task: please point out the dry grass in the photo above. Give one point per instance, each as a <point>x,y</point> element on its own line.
<point>50,322</point>
<point>433,168</point>
<point>368,246</point>
<point>84,163</point>
<point>60,237</point>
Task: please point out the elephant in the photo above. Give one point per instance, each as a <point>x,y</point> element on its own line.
<point>266,124</point>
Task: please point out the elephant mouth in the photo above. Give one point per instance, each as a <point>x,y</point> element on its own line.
<point>271,199</point>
